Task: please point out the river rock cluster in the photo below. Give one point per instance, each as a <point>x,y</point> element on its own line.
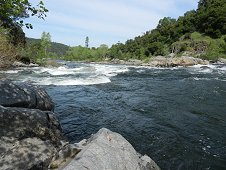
<point>163,61</point>
<point>160,61</point>
<point>31,137</point>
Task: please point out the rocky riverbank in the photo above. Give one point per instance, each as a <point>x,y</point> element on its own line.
<point>31,137</point>
<point>158,61</point>
<point>161,61</point>
<point>165,61</point>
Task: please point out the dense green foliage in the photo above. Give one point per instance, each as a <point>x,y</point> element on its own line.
<point>8,52</point>
<point>13,12</point>
<point>12,16</point>
<point>80,53</point>
<point>56,49</point>
<point>38,51</point>
<point>12,37</point>
<point>209,19</point>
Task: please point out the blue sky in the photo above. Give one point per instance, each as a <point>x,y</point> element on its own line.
<point>104,21</point>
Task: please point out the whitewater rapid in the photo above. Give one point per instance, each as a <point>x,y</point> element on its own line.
<point>175,115</point>
<point>90,74</point>
<point>82,74</point>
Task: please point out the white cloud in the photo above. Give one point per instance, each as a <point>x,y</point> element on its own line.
<point>107,20</point>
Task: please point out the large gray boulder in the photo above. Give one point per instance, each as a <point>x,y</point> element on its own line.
<point>29,153</point>
<point>30,134</point>
<point>24,95</point>
<point>29,138</point>
<point>21,123</point>
<point>109,150</point>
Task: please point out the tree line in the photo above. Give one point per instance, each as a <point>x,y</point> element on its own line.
<point>209,21</point>
<point>202,32</point>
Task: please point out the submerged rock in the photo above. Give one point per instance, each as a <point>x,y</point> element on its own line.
<point>109,150</point>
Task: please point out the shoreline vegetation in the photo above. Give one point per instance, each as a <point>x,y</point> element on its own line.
<point>199,33</point>
<point>158,61</point>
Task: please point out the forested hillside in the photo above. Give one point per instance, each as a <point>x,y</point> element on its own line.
<point>57,48</point>
<point>200,32</point>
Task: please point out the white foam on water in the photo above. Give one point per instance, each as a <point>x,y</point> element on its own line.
<point>68,82</point>
<point>207,69</point>
<point>86,74</point>
<point>196,78</point>
<point>55,71</point>
<point>207,79</point>
<point>222,68</point>
<point>10,71</point>
<point>110,70</point>
<point>98,69</point>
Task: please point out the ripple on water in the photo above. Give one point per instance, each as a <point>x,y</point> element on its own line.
<point>176,116</point>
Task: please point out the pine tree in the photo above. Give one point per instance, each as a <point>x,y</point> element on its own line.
<point>87,42</point>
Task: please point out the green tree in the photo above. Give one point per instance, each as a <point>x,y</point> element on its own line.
<point>38,51</point>
<point>156,48</point>
<point>211,17</point>
<point>186,23</point>
<point>87,42</point>
<point>13,12</point>
<point>101,52</point>
<point>12,16</point>
<point>8,52</point>
<point>45,42</point>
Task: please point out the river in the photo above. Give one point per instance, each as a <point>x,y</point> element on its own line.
<point>177,116</point>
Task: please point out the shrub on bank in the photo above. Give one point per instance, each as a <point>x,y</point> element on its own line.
<point>8,52</point>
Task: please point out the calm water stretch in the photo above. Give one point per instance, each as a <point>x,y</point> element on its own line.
<point>175,115</point>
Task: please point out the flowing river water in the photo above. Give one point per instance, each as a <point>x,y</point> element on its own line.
<point>177,116</point>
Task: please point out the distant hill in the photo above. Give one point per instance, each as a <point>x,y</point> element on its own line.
<point>57,48</point>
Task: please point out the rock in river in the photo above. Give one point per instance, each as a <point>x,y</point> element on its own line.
<point>30,134</point>
<point>24,95</point>
<point>109,150</point>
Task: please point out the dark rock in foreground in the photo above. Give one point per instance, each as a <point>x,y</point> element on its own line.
<point>25,96</point>
<point>30,135</point>
<point>29,153</point>
<point>31,138</point>
<point>22,123</point>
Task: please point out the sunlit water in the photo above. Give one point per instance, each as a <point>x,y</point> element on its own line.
<point>177,115</point>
